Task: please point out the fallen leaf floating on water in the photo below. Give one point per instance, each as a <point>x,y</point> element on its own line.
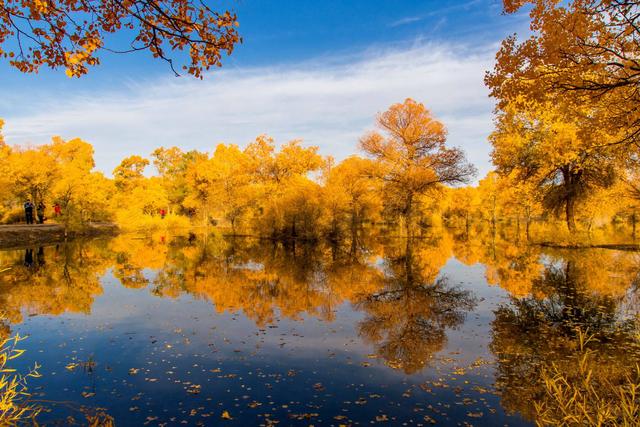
<point>225,415</point>
<point>428,419</point>
<point>194,389</point>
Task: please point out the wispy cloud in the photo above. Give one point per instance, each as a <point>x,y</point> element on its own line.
<point>326,103</point>
<point>438,12</point>
<point>406,21</point>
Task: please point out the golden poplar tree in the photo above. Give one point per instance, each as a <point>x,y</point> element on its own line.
<point>413,158</point>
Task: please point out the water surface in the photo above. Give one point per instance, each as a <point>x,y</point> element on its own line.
<point>161,330</point>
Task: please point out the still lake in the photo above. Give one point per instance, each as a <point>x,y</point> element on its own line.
<point>207,330</point>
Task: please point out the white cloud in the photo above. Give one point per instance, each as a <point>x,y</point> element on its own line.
<point>328,102</point>
<point>406,21</point>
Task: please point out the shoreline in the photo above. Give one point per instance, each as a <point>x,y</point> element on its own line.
<point>19,235</point>
<point>631,247</point>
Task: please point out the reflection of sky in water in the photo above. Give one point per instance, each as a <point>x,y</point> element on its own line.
<point>174,359</point>
<point>251,265</point>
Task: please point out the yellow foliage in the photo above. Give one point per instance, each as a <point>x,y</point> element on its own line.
<point>412,158</point>
<point>545,154</point>
<point>51,35</point>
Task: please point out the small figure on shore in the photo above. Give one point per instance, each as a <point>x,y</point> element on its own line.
<point>40,212</point>
<point>28,211</point>
<point>57,210</point>
<point>163,213</point>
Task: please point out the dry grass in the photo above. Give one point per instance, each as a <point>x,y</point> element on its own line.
<point>587,397</point>
<point>14,397</point>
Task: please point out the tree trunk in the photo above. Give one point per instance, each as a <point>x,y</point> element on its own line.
<point>354,230</point>
<point>409,216</point>
<point>528,222</point>
<point>570,215</point>
<point>293,227</point>
<point>205,215</point>
<point>466,222</point>
<point>493,213</point>
<point>335,232</point>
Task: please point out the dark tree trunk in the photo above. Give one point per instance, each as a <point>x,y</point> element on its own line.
<point>466,222</point>
<point>354,231</point>
<point>570,214</point>
<point>408,216</point>
<point>493,213</point>
<point>571,181</point>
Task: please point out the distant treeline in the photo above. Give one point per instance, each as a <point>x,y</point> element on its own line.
<point>408,181</point>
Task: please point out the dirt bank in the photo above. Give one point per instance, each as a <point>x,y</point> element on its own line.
<point>22,234</point>
<point>615,246</point>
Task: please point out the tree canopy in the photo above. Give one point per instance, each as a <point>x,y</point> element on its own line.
<point>73,34</point>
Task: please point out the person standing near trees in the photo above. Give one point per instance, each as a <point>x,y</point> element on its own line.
<point>40,212</point>
<point>28,211</point>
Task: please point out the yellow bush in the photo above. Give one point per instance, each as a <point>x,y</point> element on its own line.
<point>12,216</point>
<point>134,221</point>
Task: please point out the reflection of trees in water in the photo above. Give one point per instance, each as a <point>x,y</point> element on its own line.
<point>133,255</point>
<point>518,267</point>
<point>535,338</point>
<point>408,308</point>
<point>5,329</point>
<point>260,278</point>
<point>509,263</point>
<point>406,304</point>
<point>52,280</point>
<point>407,319</point>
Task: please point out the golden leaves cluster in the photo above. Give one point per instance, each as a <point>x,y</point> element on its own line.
<point>72,34</point>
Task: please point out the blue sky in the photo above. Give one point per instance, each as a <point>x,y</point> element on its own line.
<point>317,71</point>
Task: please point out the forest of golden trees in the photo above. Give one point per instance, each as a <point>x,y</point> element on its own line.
<point>546,173</point>
<point>565,140</point>
<point>290,191</point>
